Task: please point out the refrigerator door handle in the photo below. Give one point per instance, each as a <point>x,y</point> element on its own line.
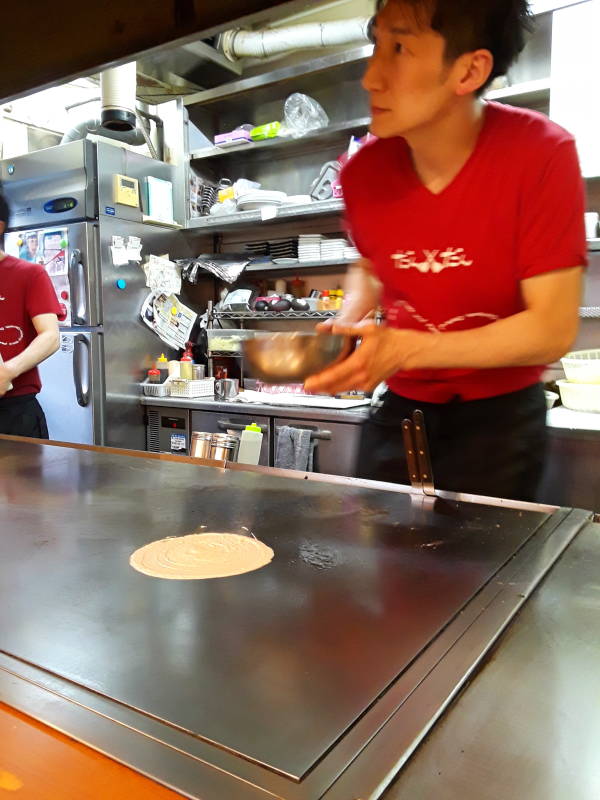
<point>77,282</point>
<point>82,369</point>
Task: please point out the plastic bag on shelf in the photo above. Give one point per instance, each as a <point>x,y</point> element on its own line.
<point>226,266</point>
<point>302,114</point>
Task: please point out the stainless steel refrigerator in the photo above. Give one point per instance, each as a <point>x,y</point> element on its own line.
<point>64,215</point>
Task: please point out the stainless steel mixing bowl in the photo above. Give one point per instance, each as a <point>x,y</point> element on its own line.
<point>292,357</point>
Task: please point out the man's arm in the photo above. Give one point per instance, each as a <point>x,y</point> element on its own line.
<point>45,343</point>
<point>540,334</point>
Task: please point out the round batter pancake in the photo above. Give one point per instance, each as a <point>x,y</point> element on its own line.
<point>201,555</point>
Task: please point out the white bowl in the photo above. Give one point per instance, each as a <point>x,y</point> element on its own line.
<point>580,396</point>
<point>582,366</point>
<point>551,398</point>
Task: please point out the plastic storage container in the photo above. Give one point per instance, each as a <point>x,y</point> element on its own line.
<point>156,389</point>
<point>185,388</point>
<point>228,340</point>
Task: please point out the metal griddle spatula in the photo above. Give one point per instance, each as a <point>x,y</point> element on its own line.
<point>417,454</point>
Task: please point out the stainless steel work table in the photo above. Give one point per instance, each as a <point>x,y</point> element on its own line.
<point>354,416</point>
<point>317,676</point>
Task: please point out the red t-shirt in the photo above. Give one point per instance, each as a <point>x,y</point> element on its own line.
<point>25,291</point>
<point>454,261</point>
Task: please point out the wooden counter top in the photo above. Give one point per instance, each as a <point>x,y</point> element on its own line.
<point>38,763</point>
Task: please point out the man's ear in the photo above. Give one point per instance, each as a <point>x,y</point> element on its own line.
<point>473,71</point>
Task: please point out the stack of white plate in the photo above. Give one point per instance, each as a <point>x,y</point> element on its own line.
<point>298,199</point>
<point>333,249</point>
<point>309,246</point>
<point>260,198</point>
<point>351,253</point>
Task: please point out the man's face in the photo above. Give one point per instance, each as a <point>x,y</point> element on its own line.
<point>32,245</point>
<point>408,80</point>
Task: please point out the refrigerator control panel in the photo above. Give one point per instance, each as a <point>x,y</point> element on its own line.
<point>126,191</point>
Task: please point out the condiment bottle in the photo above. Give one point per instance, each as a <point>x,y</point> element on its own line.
<point>323,304</point>
<point>162,365</point>
<point>153,375</point>
<point>250,445</point>
<point>298,287</point>
<point>185,369</point>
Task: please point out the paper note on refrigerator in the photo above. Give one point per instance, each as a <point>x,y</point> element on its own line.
<point>162,276</point>
<point>118,252</point>
<point>169,318</point>
<point>125,249</point>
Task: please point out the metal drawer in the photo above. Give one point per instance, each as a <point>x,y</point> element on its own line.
<point>337,444</point>
<point>222,422</point>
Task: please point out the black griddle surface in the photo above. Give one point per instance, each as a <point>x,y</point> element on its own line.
<point>274,665</point>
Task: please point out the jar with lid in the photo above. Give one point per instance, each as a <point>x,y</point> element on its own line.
<point>201,444</point>
<point>153,376</point>
<point>223,447</point>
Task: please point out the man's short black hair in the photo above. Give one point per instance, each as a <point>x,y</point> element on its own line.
<point>500,26</point>
<point>4,210</point>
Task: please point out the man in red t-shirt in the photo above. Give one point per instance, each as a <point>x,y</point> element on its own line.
<point>469,218</point>
<point>28,335</point>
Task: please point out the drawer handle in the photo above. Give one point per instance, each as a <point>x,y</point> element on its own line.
<point>324,436</point>
<point>223,425</point>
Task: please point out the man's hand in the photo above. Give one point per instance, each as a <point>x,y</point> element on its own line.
<point>383,352</point>
<point>6,379</point>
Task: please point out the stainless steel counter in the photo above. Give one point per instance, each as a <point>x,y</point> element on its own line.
<point>314,677</point>
<point>528,726</point>
<point>351,415</point>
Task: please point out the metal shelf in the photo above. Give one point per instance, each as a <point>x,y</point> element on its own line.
<point>314,137</point>
<point>250,218</point>
<point>229,91</point>
<point>528,92</point>
<point>272,315</point>
<point>269,266</point>
<point>589,312</point>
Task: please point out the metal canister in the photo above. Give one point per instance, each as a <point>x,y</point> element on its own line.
<point>223,447</point>
<point>198,372</point>
<point>201,444</point>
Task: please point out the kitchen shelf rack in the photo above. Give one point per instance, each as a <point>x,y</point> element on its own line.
<point>320,136</point>
<point>269,266</point>
<point>259,316</point>
<point>589,312</point>
<point>523,93</point>
<point>284,212</point>
<point>291,74</point>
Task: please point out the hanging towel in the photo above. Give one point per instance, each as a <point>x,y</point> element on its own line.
<point>295,449</point>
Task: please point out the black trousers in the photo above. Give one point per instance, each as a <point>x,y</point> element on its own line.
<point>494,447</point>
<point>22,416</point>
